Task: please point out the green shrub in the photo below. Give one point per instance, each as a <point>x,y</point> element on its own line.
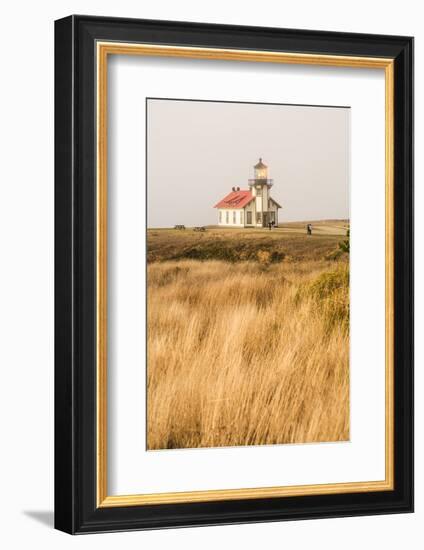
<point>327,283</point>
<point>344,246</point>
<point>330,292</point>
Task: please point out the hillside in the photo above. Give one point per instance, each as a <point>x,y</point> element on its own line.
<point>288,242</point>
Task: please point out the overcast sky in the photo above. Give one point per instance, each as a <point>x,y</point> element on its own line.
<point>197,151</point>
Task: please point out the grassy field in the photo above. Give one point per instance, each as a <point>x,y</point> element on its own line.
<point>289,243</point>
<point>248,337</point>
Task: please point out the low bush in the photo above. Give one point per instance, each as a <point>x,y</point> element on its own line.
<point>330,292</point>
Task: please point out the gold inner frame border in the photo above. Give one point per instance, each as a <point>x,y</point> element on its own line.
<point>103,50</point>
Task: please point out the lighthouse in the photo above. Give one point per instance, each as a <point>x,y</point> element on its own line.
<point>253,207</point>
<point>260,187</point>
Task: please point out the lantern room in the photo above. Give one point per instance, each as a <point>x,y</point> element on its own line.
<point>261,170</point>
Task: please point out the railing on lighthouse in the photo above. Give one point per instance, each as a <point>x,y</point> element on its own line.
<point>261,181</point>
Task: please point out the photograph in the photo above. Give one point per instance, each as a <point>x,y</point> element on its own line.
<point>248,243</point>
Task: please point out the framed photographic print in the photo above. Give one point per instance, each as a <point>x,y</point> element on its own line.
<point>234,269</point>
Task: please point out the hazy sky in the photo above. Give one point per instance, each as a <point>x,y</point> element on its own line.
<point>197,151</point>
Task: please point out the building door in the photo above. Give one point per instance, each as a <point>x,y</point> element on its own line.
<point>248,218</point>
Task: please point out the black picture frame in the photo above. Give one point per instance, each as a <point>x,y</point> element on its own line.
<point>76,510</point>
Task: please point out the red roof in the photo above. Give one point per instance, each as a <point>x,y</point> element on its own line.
<point>235,199</point>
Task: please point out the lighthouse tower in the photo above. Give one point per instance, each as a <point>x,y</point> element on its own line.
<point>260,186</point>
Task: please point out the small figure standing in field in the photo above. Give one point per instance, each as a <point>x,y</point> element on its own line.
<point>309,229</point>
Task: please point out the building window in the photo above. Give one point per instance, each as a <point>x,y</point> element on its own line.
<point>220,216</point>
<point>227,217</point>
<point>241,217</point>
<point>249,218</point>
<point>234,217</point>
<point>258,217</point>
<point>259,191</point>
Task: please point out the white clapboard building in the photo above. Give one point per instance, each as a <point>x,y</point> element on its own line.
<point>253,207</point>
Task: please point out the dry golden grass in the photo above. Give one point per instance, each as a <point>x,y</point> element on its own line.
<point>247,353</point>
